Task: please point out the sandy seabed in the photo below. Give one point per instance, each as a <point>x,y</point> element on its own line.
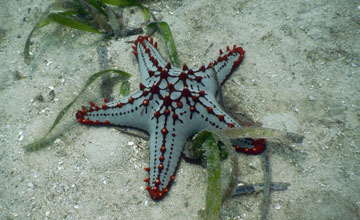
<point>300,74</point>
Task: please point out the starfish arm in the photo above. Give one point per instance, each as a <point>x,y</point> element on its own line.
<point>226,63</point>
<point>216,118</point>
<point>149,58</point>
<point>166,145</point>
<point>130,111</point>
<point>222,67</point>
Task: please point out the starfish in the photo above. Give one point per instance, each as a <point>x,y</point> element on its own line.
<point>172,104</point>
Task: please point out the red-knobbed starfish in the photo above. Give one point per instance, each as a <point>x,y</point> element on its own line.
<point>172,104</point>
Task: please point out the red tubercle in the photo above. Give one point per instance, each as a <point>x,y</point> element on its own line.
<point>231,125</point>
<point>131,100</point>
<point>167,101</point>
<point>237,62</point>
<point>179,104</point>
<point>202,68</point>
<point>79,116</point>
<point>119,104</point>
<point>168,66</point>
<point>140,39</point>
<point>220,52</point>
<point>145,93</point>
<point>157,182</point>
<point>164,74</point>
<point>157,114</point>
<point>137,40</point>
<point>222,58</point>
<point>164,131</point>
<point>221,117</point>
<point>87,122</point>
<point>145,102</point>
<point>163,149</point>
<point>141,86</point>
<point>166,112</point>
<point>185,92</point>
<point>104,106</point>
<point>198,78</point>
<point>195,98</point>
<point>183,76</point>
<point>92,104</point>
<point>153,60</point>
<point>83,111</point>
<point>106,100</point>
